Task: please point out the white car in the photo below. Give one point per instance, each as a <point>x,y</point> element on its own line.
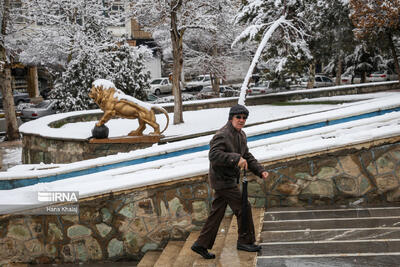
<point>160,86</point>
<point>381,76</point>
<point>44,108</point>
<point>320,81</point>
<point>198,83</point>
<point>347,79</point>
<point>259,88</point>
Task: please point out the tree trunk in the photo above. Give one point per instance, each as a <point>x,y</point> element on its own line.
<point>364,77</point>
<point>177,51</point>
<point>394,54</point>
<point>339,70</point>
<point>33,87</point>
<point>12,132</point>
<point>215,84</point>
<point>311,78</point>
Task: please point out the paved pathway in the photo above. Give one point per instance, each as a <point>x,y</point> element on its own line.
<point>331,237</point>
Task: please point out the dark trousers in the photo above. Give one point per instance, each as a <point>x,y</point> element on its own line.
<point>233,198</point>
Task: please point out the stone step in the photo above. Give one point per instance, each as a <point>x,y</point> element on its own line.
<point>230,256</point>
<point>331,237</point>
<point>218,245</point>
<point>186,256</point>
<point>169,253</point>
<point>333,223</point>
<point>81,264</point>
<point>149,259</point>
<point>331,234</point>
<point>327,247</point>
<point>331,260</point>
<point>331,213</point>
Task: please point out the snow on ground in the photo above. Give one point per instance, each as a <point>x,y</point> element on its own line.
<point>265,150</point>
<point>196,122</point>
<point>11,156</point>
<point>348,97</point>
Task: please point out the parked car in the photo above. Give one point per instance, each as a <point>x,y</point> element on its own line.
<point>168,99</point>
<point>258,88</point>
<point>206,92</point>
<point>198,83</point>
<point>320,81</point>
<point>160,86</point>
<point>18,98</point>
<point>224,91</point>
<point>347,79</point>
<point>227,91</point>
<point>381,76</point>
<point>44,108</point>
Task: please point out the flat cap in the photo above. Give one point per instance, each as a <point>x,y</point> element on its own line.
<point>238,109</point>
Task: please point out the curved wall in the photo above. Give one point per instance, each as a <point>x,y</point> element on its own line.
<point>38,149</point>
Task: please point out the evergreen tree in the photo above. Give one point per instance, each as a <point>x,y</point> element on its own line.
<point>128,72</point>
<point>73,85</point>
<point>87,51</point>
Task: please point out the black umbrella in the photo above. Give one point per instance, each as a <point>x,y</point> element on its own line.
<point>244,203</point>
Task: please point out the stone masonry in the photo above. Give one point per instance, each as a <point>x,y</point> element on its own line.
<point>128,223</point>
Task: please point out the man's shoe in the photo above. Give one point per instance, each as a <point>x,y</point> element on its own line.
<point>248,247</point>
<point>202,251</point>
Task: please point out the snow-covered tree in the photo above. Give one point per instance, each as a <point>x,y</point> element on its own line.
<point>122,64</point>
<point>72,88</point>
<point>278,26</point>
<point>377,19</point>
<point>73,38</point>
<point>62,28</point>
<point>128,69</point>
<point>210,52</point>
<point>330,33</point>
<point>10,16</point>
<point>175,16</point>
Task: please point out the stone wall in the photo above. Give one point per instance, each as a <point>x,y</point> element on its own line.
<point>366,173</point>
<point>128,223</point>
<point>37,149</point>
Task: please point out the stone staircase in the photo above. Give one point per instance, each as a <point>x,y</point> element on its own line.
<point>179,254</point>
<point>341,236</point>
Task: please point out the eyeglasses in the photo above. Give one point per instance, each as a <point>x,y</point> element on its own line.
<point>239,117</point>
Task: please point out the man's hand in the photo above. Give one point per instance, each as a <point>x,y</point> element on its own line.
<point>242,163</point>
<point>264,175</point>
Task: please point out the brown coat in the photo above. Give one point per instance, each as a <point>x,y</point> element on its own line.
<point>226,148</point>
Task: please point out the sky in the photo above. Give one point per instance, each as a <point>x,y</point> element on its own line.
<point>197,163</point>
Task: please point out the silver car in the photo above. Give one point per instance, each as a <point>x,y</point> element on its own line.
<point>320,81</point>
<point>44,108</point>
<point>381,76</point>
<point>259,88</point>
<point>160,86</point>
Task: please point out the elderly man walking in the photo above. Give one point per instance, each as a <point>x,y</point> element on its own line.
<point>228,154</point>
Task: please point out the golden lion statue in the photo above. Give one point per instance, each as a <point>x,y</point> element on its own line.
<point>115,103</point>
